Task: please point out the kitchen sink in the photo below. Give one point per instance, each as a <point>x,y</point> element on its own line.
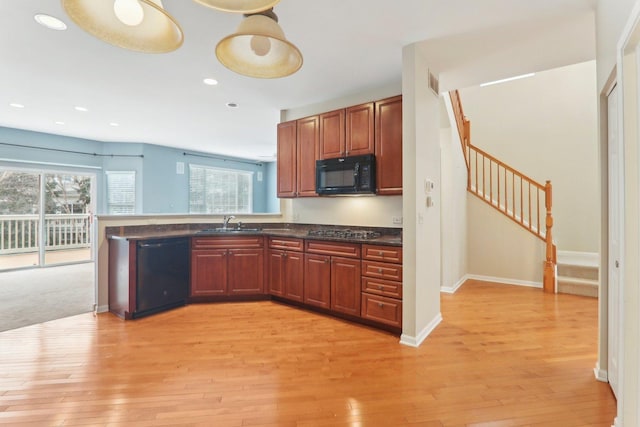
<point>228,230</point>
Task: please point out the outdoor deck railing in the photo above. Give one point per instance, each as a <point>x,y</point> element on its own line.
<point>21,233</point>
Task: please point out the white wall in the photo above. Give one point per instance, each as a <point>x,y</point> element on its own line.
<point>546,127</point>
<point>453,210</point>
<point>421,234</point>
<point>611,16</point>
<point>631,250</point>
<point>611,19</point>
<point>501,249</point>
<point>372,211</point>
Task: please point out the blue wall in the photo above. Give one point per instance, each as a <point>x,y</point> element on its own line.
<point>159,188</point>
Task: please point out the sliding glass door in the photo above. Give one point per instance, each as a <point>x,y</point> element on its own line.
<point>45,218</point>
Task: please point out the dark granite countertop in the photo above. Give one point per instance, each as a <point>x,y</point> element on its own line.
<point>388,236</point>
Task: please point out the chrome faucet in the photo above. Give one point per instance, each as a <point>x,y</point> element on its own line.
<point>225,221</point>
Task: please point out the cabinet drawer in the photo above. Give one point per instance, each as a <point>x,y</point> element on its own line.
<point>227,242</point>
<point>289,244</point>
<point>381,309</point>
<point>351,250</point>
<point>383,287</point>
<point>382,253</point>
<point>382,270</point>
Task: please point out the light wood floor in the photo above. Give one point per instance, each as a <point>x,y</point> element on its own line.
<point>503,356</point>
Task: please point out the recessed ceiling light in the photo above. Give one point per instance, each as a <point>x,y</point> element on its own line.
<point>210,82</point>
<point>114,124</point>
<point>232,105</point>
<point>50,22</point>
<point>83,109</point>
<point>60,123</point>
<point>16,105</point>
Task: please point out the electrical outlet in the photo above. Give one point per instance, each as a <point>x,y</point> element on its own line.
<point>396,220</point>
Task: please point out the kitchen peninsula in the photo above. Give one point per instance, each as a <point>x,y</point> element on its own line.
<point>350,272</point>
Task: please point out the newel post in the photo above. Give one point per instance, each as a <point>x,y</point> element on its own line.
<point>549,277</point>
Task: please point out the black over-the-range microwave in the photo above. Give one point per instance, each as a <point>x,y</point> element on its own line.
<point>346,175</point>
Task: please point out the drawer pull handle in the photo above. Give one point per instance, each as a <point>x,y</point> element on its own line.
<point>380,287</point>
<point>381,305</point>
<point>381,254</point>
<point>380,270</point>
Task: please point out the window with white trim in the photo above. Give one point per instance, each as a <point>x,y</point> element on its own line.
<point>121,192</point>
<point>215,190</point>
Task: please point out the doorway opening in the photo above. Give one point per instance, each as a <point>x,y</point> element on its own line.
<point>45,221</point>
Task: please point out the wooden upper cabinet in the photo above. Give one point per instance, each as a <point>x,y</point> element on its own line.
<point>308,136</point>
<point>388,137</point>
<point>359,130</point>
<point>287,159</point>
<point>332,134</point>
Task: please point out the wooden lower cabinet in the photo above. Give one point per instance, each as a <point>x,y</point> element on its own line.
<point>245,272</point>
<point>382,284</point>
<point>329,275</point>
<point>208,272</point>
<point>227,266</point>
<point>286,274</point>
<point>332,282</point>
<point>317,280</point>
<point>345,285</point>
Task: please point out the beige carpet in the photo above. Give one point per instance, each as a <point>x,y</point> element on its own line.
<point>41,294</point>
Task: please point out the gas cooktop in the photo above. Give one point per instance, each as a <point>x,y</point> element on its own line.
<point>345,234</point>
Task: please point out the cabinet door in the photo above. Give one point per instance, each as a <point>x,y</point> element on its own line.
<point>276,273</point>
<point>359,130</point>
<point>294,276</point>
<point>389,145</point>
<point>287,159</point>
<point>332,134</point>
<point>245,271</point>
<point>345,285</point>
<point>208,272</point>
<point>308,147</point>
<point>317,280</point>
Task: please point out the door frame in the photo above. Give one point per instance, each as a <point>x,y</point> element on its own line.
<point>613,313</point>
<point>627,75</point>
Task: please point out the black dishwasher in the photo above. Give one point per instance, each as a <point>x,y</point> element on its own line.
<point>162,275</point>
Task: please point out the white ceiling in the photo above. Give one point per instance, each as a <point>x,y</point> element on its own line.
<point>349,46</point>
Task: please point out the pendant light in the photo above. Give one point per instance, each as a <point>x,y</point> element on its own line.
<point>140,25</point>
<point>259,48</point>
<point>239,6</point>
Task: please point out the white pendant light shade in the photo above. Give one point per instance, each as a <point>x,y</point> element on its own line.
<point>259,49</point>
<point>239,6</point>
<point>140,25</point>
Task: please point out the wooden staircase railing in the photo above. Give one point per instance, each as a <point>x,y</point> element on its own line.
<point>520,198</point>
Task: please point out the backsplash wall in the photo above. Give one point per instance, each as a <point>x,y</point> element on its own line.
<point>373,211</point>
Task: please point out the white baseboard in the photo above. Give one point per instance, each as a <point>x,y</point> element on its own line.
<point>417,340</point>
<point>579,258</point>
<point>505,281</point>
<point>102,308</point>
<point>452,289</point>
<point>601,374</point>
<point>617,422</point>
